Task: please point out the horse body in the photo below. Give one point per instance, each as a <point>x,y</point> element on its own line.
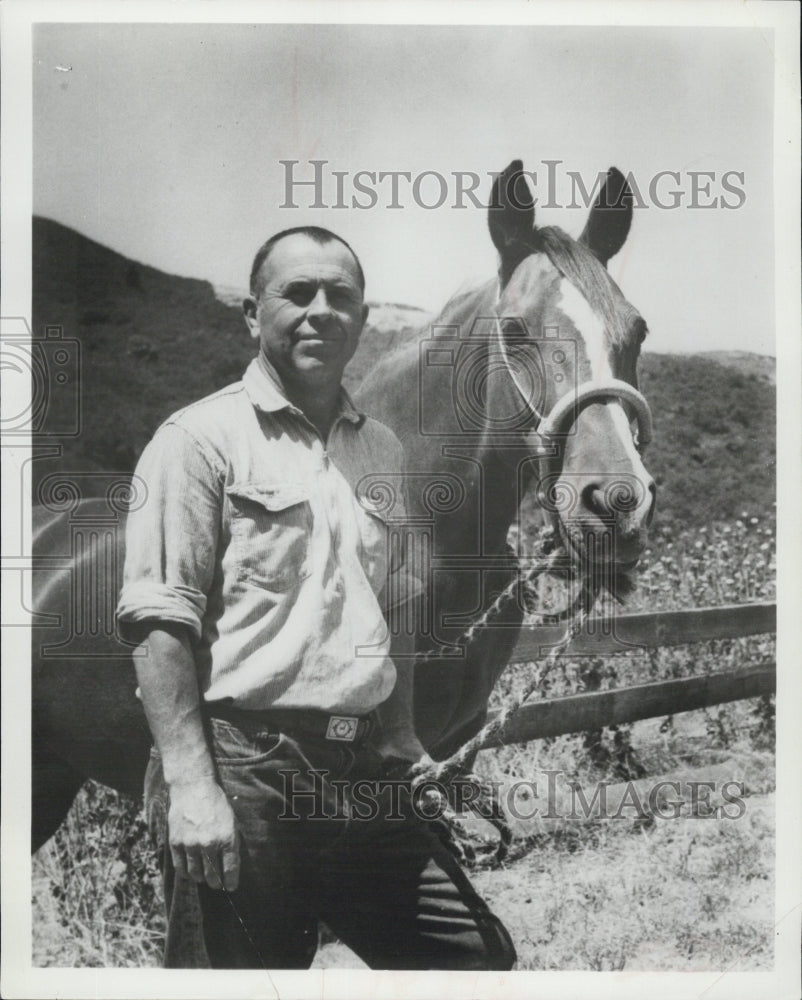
<point>86,721</point>
<point>552,344</point>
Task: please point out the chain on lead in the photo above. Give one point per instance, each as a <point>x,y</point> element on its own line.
<point>485,800</point>
<point>548,560</point>
<point>445,771</point>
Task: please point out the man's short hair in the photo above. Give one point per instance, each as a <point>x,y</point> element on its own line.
<point>316,233</point>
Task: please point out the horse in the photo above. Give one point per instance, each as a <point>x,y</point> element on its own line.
<point>529,381</point>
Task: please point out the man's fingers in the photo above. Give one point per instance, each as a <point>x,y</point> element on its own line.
<point>231,865</point>
<point>211,869</point>
<point>195,864</point>
<point>203,837</point>
<point>179,860</point>
<point>204,865</point>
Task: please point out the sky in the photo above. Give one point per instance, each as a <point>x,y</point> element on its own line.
<point>164,143</point>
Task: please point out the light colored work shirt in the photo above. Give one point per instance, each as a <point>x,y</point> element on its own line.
<point>252,536</point>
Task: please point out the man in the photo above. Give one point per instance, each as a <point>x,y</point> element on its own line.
<point>255,583</point>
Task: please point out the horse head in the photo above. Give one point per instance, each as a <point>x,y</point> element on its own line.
<point>570,342</point>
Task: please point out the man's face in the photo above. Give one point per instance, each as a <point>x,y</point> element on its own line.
<point>310,312</point>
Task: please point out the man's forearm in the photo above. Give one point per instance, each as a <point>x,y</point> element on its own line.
<point>165,668</point>
<point>201,822</point>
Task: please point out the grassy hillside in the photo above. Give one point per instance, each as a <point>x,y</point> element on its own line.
<point>713,454</point>
<point>151,342</point>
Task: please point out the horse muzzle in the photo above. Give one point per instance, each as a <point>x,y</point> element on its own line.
<point>599,495</point>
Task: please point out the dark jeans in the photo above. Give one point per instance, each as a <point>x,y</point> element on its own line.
<point>312,850</point>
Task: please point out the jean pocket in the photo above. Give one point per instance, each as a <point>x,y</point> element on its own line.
<point>232,746</point>
<point>271,532</point>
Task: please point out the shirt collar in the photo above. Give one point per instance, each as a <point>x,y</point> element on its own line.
<point>266,393</point>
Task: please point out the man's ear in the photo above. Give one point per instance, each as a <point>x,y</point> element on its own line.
<point>249,310</point>
<point>365,311</point>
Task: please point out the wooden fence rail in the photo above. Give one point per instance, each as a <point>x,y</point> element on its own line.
<point>662,628</point>
<point>576,713</point>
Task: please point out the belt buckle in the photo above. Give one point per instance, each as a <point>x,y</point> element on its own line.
<point>342,727</point>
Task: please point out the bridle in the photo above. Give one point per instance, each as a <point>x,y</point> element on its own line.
<point>553,424</point>
<point>550,428</point>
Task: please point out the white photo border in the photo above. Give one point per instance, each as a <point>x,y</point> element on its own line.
<point>19,978</point>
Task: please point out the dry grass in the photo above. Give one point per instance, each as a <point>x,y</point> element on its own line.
<point>687,894</point>
<point>97,899</point>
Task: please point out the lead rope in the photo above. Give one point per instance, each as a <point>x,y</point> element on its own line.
<point>442,774</point>
<point>484,800</point>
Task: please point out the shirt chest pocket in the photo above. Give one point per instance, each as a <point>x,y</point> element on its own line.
<point>271,533</point>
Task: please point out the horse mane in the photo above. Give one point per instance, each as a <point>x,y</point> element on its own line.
<point>573,260</point>
<point>577,264</point>
<point>584,270</point>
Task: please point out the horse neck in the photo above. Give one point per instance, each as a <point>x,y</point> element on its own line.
<point>487,471</point>
<point>494,462</point>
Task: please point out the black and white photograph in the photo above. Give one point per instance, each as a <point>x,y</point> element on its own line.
<point>401,468</point>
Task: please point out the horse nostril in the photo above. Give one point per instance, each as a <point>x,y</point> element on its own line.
<point>594,500</point>
<point>620,500</point>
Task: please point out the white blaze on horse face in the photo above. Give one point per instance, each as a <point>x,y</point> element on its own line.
<point>590,328</point>
<point>573,305</point>
<point>621,424</point>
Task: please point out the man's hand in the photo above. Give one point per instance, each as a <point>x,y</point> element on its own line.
<point>203,835</point>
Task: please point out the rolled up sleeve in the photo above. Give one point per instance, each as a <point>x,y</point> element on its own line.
<point>171,539</point>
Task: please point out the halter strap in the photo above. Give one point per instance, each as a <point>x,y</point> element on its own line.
<point>554,422</point>
<point>551,425</point>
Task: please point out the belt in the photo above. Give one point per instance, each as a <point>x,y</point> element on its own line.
<point>351,729</point>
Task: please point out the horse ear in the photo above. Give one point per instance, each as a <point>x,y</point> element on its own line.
<point>511,215</point>
<point>610,218</point>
